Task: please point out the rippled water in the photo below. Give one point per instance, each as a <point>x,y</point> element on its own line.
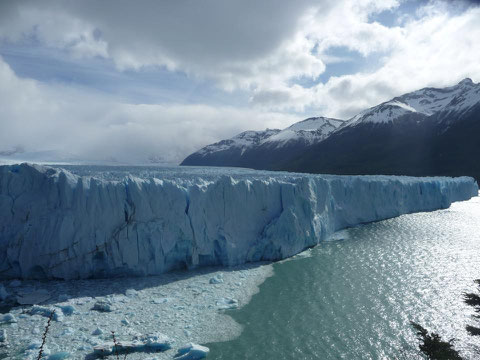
<point>354,298</point>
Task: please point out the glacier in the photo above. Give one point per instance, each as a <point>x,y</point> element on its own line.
<point>82,223</point>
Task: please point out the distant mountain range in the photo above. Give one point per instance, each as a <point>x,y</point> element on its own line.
<point>423,133</point>
<point>265,149</point>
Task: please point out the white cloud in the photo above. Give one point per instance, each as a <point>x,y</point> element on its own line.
<point>246,44</point>
<point>437,49</point>
<point>348,25</point>
<point>259,46</point>
<point>237,43</point>
<point>262,47</point>
<point>40,117</point>
<point>51,26</point>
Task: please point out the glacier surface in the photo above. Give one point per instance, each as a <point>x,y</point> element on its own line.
<point>83,222</point>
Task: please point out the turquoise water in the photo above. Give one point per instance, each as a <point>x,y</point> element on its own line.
<point>354,298</point>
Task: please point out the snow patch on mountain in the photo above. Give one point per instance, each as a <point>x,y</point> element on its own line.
<point>401,105</point>
<point>241,141</point>
<point>307,131</point>
<point>310,130</point>
<point>382,113</point>
<point>428,101</point>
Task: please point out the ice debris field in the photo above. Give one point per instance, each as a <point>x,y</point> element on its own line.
<point>87,222</point>
<point>155,317</point>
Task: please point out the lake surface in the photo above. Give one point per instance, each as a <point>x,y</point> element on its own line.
<point>354,297</point>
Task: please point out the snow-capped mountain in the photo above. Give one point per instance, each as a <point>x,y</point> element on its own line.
<point>425,132</point>
<point>427,101</point>
<point>431,131</point>
<point>242,141</point>
<point>261,148</point>
<point>309,130</point>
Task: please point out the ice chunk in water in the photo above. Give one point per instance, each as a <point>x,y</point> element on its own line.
<point>192,352</point>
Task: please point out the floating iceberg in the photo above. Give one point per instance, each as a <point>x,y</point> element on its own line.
<point>144,343</point>
<point>58,224</point>
<point>192,352</point>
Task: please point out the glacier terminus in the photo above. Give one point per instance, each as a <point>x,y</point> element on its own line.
<point>83,223</point>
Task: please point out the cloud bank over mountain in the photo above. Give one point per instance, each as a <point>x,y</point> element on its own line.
<point>245,65</point>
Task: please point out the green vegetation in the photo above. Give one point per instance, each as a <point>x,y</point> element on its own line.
<point>434,347</point>
<point>473,300</point>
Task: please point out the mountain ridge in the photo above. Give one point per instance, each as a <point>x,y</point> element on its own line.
<point>407,135</point>
<point>259,149</point>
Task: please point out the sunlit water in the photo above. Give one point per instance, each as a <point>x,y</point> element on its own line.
<point>355,298</point>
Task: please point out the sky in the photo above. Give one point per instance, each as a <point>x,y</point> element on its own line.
<point>148,80</point>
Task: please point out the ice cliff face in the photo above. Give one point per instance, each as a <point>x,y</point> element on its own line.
<point>54,224</point>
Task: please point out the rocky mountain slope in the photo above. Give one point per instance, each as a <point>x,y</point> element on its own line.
<point>430,131</point>
<point>265,149</point>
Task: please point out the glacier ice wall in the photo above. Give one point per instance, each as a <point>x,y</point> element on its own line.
<point>54,224</point>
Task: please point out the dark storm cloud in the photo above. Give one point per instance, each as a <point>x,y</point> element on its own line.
<point>188,32</point>
<point>196,30</point>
